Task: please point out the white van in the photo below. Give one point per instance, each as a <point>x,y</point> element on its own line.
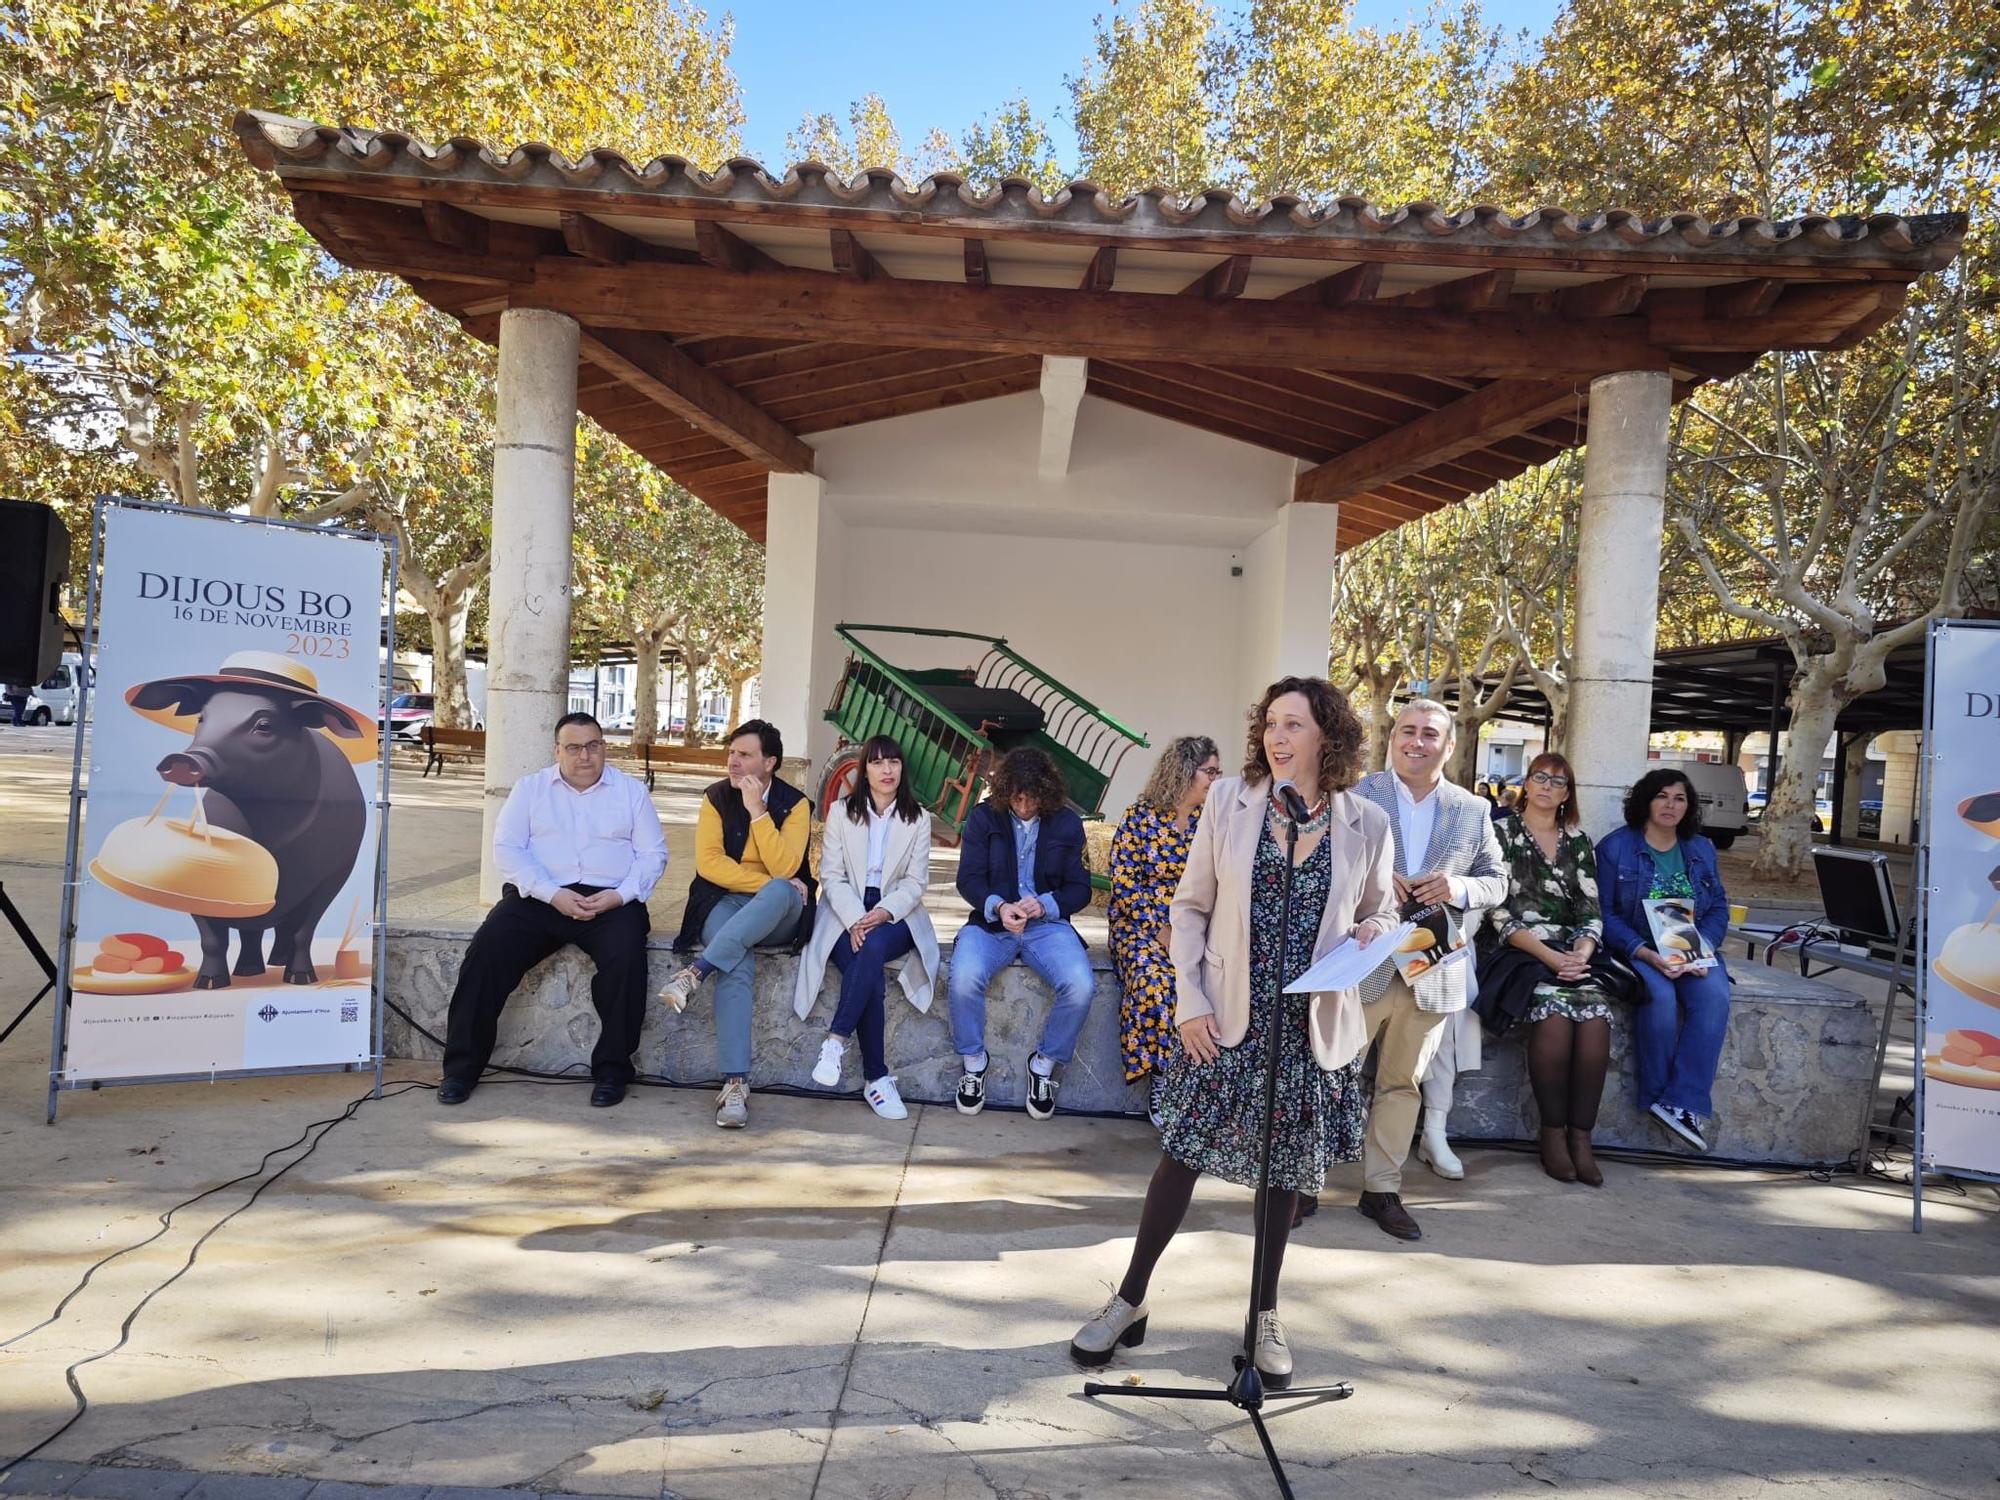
<point>1725,796</point>
<point>55,701</point>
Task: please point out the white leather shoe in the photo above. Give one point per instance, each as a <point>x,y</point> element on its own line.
<point>884,1098</point>
<point>1435,1152</point>
<point>1273,1354</point>
<point>1118,1322</point>
<point>826,1072</point>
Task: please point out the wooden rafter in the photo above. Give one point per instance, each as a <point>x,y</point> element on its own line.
<point>1221,281</point>
<point>651,364</point>
<point>851,257</point>
<point>1358,283</point>
<point>1101,272</point>
<point>730,252</point>
<point>597,241</point>
<point>976,273</point>
<point>1470,423</point>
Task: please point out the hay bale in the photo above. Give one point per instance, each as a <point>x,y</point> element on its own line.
<point>1097,836</point>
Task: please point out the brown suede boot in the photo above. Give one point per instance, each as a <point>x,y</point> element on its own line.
<point>1587,1171</point>
<point>1555,1155</point>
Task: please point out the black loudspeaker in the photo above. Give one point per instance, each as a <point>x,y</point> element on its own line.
<point>34,562</point>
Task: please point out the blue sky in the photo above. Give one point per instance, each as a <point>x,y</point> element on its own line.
<point>943,64</point>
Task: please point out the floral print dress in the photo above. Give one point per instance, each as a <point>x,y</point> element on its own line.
<point>1148,854</point>
<point>1215,1111</point>
<point>1556,903</point>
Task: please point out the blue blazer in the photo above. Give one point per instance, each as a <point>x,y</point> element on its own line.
<point>987,867</point>
<point>1625,875</point>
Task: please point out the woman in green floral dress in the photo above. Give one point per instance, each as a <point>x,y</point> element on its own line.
<point>1551,912</point>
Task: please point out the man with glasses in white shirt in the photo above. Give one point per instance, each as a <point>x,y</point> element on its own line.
<point>581,848</point>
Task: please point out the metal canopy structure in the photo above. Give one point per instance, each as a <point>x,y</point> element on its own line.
<point>1741,687</point>
<point>1411,357</point>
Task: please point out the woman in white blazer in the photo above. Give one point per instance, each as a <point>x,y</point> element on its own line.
<point>874,864</point>
<point>1232,958</point>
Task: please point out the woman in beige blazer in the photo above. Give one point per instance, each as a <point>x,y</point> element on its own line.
<point>874,864</point>
<point>1231,961</point>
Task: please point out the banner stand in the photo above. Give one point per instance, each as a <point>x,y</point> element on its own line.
<point>383,639</point>
<point>1939,812</point>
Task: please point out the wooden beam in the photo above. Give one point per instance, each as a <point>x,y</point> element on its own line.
<point>1613,297</point>
<point>1221,281</point>
<point>1101,272</point>
<point>382,237</point>
<point>1496,411</point>
<point>851,257</point>
<point>1112,325</point>
<point>651,364</point>
<point>455,228</point>
<point>730,252</point>
<point>1805,316</point>
<point>1482,291</point>
<point>1357,283</point>
<point>976,273</point>
<point>1743,299</point>
<point>597,241</point>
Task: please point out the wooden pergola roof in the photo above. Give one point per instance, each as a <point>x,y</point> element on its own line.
<point>1413,357</point>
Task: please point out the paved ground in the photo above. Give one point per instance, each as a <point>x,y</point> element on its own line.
<point>531,1294</point>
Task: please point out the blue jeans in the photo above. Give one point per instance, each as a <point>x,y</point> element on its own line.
<point>863,986</point>
<point>736,924</point>
<point>1678,1037</point>
<point>1050,949</point>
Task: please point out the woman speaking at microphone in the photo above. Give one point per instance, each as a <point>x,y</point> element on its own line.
<point>1232,959</point>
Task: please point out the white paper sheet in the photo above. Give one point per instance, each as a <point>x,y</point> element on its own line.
<point>1346,964</point>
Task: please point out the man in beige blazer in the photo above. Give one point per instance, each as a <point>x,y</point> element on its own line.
<point>1446,853</point>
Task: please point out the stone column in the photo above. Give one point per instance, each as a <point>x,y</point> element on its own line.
<point>802,565</point>
<point>1618,589</point>
<point>528,587</point>
<point>1901,781</point>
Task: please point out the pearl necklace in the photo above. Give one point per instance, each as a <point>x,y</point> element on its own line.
<point>1315,821</point>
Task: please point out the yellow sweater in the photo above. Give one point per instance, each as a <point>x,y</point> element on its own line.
<point>772,852</point>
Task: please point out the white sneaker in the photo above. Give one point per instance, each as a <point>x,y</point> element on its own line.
<point>679,988</point>
<point>1435,1151</point>
<point>732,1105</point>
<point>826,1072</point>
<point>884,1100</point>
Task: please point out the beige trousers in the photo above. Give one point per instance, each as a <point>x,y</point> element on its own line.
<point>1406,1039</point>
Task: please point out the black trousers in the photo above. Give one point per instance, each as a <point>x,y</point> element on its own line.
<point>518,934</point>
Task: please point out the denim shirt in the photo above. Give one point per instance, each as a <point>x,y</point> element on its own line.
<point>1025,835</point>
<point>1625,880</point>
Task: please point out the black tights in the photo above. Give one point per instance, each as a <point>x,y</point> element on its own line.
<point>1167,1198</point>
<point>1566,1064</point>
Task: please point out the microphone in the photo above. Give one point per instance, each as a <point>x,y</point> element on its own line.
<point>1289,801</point>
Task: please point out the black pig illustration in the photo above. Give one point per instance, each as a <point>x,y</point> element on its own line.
<point>268,775</point>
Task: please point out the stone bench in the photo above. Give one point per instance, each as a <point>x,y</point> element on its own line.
<point>1793,1075</point>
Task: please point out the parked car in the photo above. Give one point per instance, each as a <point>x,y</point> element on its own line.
<point>1868,820</point>
<point>409,713</point>
<point>1725,806</point>
<point>55,700</point>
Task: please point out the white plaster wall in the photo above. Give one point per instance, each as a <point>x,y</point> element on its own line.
<point>1114,577</point>
<point>1146,632</point>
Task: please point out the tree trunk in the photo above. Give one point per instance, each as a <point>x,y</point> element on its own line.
<point>1464,763</point>
<point>448,690</point>
<point>736,687</point>
<point>645,687</point>
<point>1854,761</point>
<point>1785,834</point>
<point>691,681</point>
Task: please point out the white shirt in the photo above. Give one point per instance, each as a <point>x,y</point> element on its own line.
<point>551,835</point>
<point>1419,821</point>
<point>878,844</point>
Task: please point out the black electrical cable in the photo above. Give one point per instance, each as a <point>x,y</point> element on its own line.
<point>305,1137</point>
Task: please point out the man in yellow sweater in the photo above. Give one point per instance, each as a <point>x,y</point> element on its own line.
<point>751,887</point>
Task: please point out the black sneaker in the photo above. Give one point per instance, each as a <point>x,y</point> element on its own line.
<point>971,1092</point>
<point>1681,1122</point>
<point>1041,1094</point>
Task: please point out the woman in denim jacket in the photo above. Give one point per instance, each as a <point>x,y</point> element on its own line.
<point>1678,1034</point>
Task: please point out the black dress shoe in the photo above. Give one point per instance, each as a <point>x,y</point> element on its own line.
<point>607,1093</point>
<point>456,1090</point>
<point>1387,1210</point>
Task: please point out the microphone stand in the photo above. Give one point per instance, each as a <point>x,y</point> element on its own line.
<point>1247,1391</point>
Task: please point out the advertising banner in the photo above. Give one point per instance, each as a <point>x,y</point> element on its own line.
<point>1960,1030</point>
<point>225,884</point>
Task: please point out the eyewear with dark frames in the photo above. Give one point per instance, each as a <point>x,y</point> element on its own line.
<point>587,747</point>
<point>1211,772</point>
<point>1549,778</point>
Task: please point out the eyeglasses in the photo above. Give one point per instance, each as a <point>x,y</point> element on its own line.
<point>1549,778</point>
<point>1211,772</point>
<point>588,747</point>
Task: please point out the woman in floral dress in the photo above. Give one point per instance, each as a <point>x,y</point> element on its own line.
<point>1232,958</point>
<point>1551,912</point>
<point>1148,853</point>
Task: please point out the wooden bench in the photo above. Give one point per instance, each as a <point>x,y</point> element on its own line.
<point>652,757</point>
<point>442,744</point>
